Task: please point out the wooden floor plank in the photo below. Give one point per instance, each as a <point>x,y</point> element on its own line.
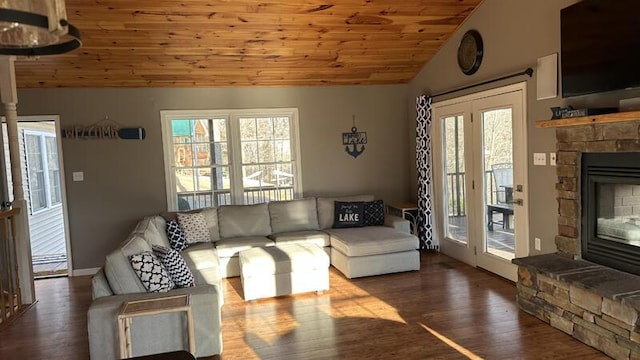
<point>447,310</point>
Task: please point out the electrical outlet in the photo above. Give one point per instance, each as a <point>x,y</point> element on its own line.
<point>537,244</point>
<point>552,159</point>
<point>540,159</point>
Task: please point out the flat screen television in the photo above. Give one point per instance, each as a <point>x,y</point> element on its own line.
<point>600,46</point>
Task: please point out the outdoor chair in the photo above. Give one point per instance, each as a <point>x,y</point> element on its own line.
<point>503,182</point>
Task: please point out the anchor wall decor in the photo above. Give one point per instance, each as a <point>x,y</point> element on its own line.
<point>353,139</point>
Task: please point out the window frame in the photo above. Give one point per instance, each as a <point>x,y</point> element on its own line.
<point>42,136</point>
<point>232,117</point>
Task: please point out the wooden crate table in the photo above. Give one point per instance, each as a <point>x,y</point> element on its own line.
<point>162,305</point>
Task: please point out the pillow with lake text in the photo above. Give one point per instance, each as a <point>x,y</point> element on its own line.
<point>348,214</point>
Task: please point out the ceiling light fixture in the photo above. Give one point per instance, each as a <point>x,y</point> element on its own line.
<point>35,28</point>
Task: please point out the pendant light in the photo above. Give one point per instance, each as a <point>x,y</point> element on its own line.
<point>35,28</point>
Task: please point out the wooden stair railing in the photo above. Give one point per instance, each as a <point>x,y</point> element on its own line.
<point>11,297</point>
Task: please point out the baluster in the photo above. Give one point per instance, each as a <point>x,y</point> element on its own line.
<point>15,257</point>
<point>5,265</point>
<point>10,294</point>
<point>8,249</point>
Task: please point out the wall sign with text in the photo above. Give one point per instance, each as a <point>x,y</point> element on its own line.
<point>354,142</point>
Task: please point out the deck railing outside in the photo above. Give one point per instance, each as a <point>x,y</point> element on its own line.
<point>457,194</point>
<point>204,199</point>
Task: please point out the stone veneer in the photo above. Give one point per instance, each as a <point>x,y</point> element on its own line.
<point>593,303</point>
<point>571,143</point>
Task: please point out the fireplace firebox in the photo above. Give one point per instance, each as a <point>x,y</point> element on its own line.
<point>611,210</point>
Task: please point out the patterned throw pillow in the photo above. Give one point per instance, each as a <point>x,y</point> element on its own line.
<point>348,214</point>
<point>175,266</point>
<point>176,236</point>
<point>151,272</point>
<point>374,213</point>
<point>194,227</point>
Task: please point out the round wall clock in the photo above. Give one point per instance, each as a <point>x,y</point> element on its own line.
<point>470,52</point>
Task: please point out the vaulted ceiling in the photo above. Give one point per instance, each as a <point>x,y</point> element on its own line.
<point>203,43</point>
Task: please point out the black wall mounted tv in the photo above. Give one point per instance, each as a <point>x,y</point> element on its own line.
<point>600,46</point>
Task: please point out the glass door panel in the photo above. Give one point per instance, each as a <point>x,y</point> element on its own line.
<point>454,173</point>
<point>497,160</point>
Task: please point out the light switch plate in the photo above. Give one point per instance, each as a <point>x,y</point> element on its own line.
<point>540,159</point>
<point>552,159</point>
<point>78,176</point>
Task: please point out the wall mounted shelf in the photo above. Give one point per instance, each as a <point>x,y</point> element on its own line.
<point>592,119</point>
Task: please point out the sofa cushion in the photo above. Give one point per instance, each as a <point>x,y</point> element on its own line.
<point>348,214</point>
<point>175,265</point>
<point>118,270</point>
<point>153,230</point>
<point>294,215</point>
<point>153,275</point>
<point>176,236</point>
<point>211,218</point>
<point>374,213</point>
<point>371,240</point>
<point>231,247</point>
<point>203,261</point>
<point>194,227</point>
<point>326,208</point>
<point>100,285</point>
<point>244,220</point>
<point>319,238</point>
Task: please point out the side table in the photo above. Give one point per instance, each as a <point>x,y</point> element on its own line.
<point>161,305</point>
<point>406,210</point>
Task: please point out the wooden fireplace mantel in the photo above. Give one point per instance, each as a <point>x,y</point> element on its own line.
<point>587,120</point>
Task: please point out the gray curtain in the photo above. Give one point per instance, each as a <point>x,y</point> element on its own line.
<point>424,169</point>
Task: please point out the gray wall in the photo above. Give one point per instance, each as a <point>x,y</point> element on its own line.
<point>124,179</point>
<point>515,34</point>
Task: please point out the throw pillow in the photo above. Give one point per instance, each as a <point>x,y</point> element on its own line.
<point>374,213</point>
<point>194,227</point>
<point>175,265</point>
<point>151,272</point>
<point>176,236</point>
<point>348,214</point>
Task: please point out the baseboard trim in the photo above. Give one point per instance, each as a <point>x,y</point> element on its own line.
<point>85,272</point>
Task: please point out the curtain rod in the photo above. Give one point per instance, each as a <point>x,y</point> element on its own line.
<point>527,71</point>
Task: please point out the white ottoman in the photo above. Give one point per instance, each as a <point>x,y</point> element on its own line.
<point>283,270</point>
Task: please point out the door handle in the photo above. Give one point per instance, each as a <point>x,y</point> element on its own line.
<point>518,202</point>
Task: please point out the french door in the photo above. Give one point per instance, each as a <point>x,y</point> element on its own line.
<point>480,164</point>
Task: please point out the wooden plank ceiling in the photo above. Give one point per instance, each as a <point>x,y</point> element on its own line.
<point>198,43</point>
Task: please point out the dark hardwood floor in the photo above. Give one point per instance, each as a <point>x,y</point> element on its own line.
<point>447,310</point>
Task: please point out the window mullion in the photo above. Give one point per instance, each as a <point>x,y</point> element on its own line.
<point>235,171</point>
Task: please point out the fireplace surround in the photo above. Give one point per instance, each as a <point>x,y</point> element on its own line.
<point>594,303</point>
<point>610,204</point>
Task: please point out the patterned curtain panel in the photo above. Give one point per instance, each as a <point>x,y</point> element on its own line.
<point>426,229</point>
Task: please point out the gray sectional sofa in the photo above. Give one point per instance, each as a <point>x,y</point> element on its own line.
<point>356,252</point>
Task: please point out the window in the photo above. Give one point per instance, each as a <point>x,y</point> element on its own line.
<point>43,173</point>
<point>225,157</point>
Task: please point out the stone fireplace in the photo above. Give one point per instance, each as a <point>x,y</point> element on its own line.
<point>592,302</point>
<point>572,142</point>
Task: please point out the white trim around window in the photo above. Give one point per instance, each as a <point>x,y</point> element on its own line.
<point>52,197</point>
<point>234,189</point>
